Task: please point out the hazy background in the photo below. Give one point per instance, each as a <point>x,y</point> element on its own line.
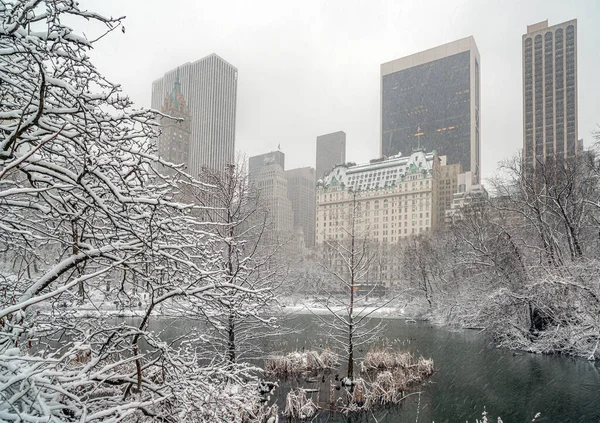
<point>308,67</point>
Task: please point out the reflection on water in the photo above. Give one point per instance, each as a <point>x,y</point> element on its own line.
<point>470,374</point>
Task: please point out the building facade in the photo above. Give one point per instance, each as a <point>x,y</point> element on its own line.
<point>272,186</point>
<point>448,176</point>
<point>467,194</point>
<point>301,192</point>
<point>549,93</point>
<point>396,198</point>
<point>331,151</point>
<point>210,87</point>
<point>174,140</point>
<point>431,100</point>
<point>256,163</point>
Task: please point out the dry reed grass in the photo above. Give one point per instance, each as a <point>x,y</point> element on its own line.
<point>299,406</point>
<point>390,373</point>
<point>299,362</point>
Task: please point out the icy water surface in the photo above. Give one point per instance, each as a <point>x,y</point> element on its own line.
<point>470,374</point>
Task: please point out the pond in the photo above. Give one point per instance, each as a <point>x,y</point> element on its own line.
<point>470,374</point>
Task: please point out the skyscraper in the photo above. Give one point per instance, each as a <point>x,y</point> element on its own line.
<point>174,141</point>
<point>301,192</point>
<point>210,87</point>
<point>268,177</point>
<point>549,92</point>
<point>331,150</point>
<point>431,100</point>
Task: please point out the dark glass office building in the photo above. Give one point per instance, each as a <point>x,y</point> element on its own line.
<point>550,92</point>
<point>431,100</point>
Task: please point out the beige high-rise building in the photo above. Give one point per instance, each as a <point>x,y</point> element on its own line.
<point>396,197</point>
<point>446,188</point>
<point>301,192</point>
<point>256,163</point>
<point>467,194</point>
<point>272,186</point>
<point>549,93</point>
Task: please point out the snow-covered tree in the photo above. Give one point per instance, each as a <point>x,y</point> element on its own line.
<point>348,261</point>
<point>88,220</point>
<point>244,265</point>
<point>521,263</point>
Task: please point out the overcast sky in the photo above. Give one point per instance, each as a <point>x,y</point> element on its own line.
<point>306,68</point>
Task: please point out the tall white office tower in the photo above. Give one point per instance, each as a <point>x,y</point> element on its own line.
<point>210,87</point>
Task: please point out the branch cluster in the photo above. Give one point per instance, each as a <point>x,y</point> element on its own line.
<point>92,221</point>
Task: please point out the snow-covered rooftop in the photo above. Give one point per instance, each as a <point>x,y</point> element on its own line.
<point>379,173</point>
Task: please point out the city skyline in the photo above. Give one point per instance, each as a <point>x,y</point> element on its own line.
<point>323,76</point>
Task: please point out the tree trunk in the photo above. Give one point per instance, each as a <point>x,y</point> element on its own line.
<point>351,333</point>
<point>350,353</point>
<point>231,339</point>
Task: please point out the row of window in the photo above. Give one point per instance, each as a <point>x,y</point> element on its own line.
<point>384,234</point>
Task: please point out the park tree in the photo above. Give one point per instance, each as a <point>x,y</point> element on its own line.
<point>87,218</point>
<point>522,260</point>
<point>245,264</point>
<point>349,260</point>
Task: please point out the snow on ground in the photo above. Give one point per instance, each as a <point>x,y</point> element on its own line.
<point>384,312</point>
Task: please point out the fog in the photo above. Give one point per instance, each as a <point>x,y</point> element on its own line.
<point>312,67</point>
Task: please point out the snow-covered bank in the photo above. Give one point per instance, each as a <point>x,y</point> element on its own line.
<point>381,312</point>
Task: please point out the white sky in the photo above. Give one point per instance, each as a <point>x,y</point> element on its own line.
<point>311,67</point>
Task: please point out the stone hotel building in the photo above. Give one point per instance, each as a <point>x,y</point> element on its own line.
<point>396,198</point>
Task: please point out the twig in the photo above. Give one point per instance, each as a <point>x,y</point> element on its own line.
<point>593,354</point>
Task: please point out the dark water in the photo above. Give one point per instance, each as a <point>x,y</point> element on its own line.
<point>470,374</point>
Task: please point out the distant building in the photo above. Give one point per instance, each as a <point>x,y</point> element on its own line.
<point>301,192</point>
<point>549,93</point>
<point>466,195</point>
<point>256,163</point>
<point>210,87</point>
<point>396,196</point>
<point>331,150</point>
<point>174,141</point>
<point>270,181</point>
<point>431,100</point>
<point>446,188</point>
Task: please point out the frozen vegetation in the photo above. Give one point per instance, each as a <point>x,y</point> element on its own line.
<point>93,225</point>
<point>522,265</point>
<point>301,361</point>
<point>386,377</point>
